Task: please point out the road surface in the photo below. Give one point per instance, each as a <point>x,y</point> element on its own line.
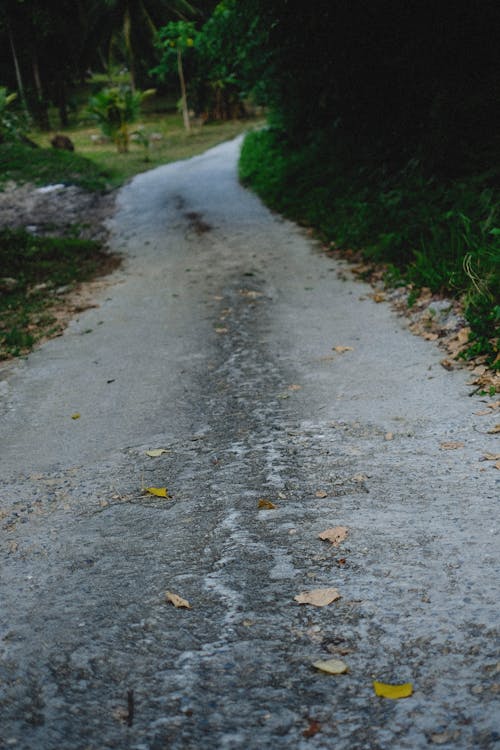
<point>228,340</point>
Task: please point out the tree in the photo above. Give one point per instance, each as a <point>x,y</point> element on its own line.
<point>174,40</point>
<point>114,109</point>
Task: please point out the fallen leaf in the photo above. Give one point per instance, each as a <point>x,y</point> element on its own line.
<point>452,446</point>
<point>393,691</point>
<point>491,457</point>
<point>221,330</point>
<point>157,452</point>
<point>442,738</point>
<point>177,600</point>
<point>264,504</point>
<point>318,597</point>
<point>359,478</point>
<point>294,387</point>
<point>158,491</point>
<point>447,364</point>
<point>321,493</point>
<point>497,465</point>
<point>331,666</point>
<point>389,436</point>
<point>335,535</point>
<point>75,416</point>
<point>313,728</point>
<point>377,296</point>
<point>342,349</point>
<point>494,430</point>
<point>430,336</point>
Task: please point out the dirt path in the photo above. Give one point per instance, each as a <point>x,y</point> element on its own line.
<point>228,340</point>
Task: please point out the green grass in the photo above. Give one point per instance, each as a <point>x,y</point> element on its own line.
<point>443,236</point>
<point>44,166</point>
<point>25,312</point>
<point>174,143</point>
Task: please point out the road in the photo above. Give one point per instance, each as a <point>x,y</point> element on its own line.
<point>228,340</point>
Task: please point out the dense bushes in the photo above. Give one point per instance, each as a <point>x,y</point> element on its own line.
<point>441,234</point>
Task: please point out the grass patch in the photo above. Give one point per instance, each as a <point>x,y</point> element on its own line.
<point>427,233</point>
<point>45,166</point>
<point>168,142</point>
<point>41,269</point>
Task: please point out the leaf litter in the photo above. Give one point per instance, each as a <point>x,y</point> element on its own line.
<point>331,666</point>
<point>177,600</point>
<point>318,597</point>
<point>335,535</point>
<point>158,492</point>
<point>394,692</point>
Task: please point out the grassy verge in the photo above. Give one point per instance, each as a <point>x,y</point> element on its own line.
<point>36,271</point>
<point>444,237</point>
<point>167,138</point>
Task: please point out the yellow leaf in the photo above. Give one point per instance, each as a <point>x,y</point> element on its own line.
<point>342,349</point>
<point>264,504</point>
<point>75,416</point>
<point>158,491</point>
<point>335,535</point>
<point>177,600</point>
<point>318,597</point>
<point>156,452</point>
<point>331,666</point>
<point>393,691</point>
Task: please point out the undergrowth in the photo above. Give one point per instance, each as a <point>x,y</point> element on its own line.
<point>42,166</point>
<point>35,271</point>
<point>443,235</point>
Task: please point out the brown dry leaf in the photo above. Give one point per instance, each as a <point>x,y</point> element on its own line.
<point>389,436</point>
<point>13,546</point>
<point>264,504</point>
<point>313,729</point>
<point>294,387</point>
<point>378,296</point>
<point>451,446</point>
<point>448,364</point>
<point>221,330</point>
<point>335,535</point>
<point>342,349</point>
<point>359,478</point>
<point>491,457</point>
<point>482,413</point>
<point>494,430</point>
<point>331,666</point>
<point>430,336</point>
<point>250,293</point>
<point>318,597</point>
<point>321,493</point>
<point>177,600</point>
<point>497,465</point>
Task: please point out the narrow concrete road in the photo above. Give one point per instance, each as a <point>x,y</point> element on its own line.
<point>216,342</point>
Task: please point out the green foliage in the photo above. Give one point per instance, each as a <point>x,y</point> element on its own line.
<point>115,109</point>
<point>12,125</point>
<point>436,234</point>
<point>42,166</point>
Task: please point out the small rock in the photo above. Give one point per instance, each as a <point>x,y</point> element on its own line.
<point>62,142</point>
<point>8,284</point>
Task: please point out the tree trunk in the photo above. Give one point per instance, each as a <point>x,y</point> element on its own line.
<point>42,114</point>
<point>185,111</point>
<point>19,79</point>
